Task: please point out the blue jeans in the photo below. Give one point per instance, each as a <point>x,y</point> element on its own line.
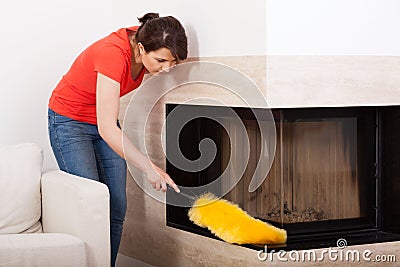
<point>80,150</point>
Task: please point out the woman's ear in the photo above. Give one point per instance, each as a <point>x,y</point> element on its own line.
<point>141,48</point>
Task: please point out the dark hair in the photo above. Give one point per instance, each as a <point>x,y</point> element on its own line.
<point>157,32</point>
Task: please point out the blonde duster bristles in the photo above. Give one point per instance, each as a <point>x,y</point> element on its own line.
<point>232,224</point>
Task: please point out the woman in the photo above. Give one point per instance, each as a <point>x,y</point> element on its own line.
<point>83,109</point>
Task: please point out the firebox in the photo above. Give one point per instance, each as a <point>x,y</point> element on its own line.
<point>335,173</point>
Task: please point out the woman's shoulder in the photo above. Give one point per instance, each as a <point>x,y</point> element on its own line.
<point>116,40</point>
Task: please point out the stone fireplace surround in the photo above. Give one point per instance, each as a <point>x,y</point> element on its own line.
<point>287,81</point>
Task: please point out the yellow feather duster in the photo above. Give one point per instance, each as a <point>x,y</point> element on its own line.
<point>232,224</point>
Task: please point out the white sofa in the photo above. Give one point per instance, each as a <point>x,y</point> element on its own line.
<point>52,218</point>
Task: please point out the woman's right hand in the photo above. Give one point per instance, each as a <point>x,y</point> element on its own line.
<point>159,179</point>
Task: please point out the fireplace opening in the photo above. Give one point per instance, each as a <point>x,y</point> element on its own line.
<point>334,174</point>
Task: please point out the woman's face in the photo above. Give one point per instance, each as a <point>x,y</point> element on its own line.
<point>158,61</point>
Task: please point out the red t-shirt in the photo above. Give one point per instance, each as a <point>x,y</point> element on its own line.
<point>75,94</point>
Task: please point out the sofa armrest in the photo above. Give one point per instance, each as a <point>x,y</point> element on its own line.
<point>80,207</point>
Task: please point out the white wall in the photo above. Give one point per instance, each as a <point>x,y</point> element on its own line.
<point>333,27</point>
<point>39,40</point>
<point>215,27</point>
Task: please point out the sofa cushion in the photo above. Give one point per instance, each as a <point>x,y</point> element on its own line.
<point>20,174</point>
<point>42,250</point>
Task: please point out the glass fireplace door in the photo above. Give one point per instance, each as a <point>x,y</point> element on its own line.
<point>323,174</point>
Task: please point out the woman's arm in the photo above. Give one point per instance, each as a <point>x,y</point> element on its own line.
<point>107,104</point>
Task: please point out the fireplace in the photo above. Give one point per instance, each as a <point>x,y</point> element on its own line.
<point>335,173</point>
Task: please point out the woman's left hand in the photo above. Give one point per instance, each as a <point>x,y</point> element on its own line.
<point>159,179</point>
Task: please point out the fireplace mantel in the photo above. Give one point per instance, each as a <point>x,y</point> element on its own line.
<point>319,81</point>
